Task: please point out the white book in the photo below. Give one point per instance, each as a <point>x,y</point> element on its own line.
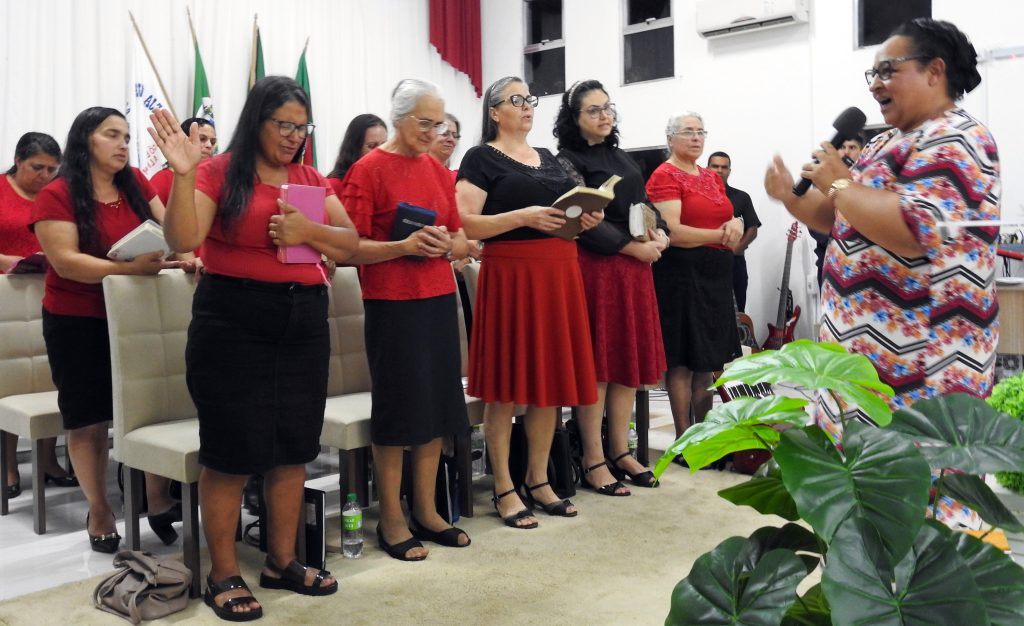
<point>146,237</point>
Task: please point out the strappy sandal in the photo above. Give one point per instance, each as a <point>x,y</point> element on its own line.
<point>448,537</point>
<point>399,550</point>
<point>559,508</point>
<point>225,611</point>
<point>512,520</point>
<point>640,479</point>
<point>611,489</point>
<point>293,578</point>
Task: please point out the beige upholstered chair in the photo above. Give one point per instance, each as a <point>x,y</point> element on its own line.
<point>155,425</point>
<point>28,401</point>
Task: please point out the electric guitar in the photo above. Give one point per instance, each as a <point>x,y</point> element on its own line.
<point>781,332</point>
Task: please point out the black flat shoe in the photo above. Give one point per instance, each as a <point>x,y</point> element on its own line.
<point>106,543</point>
<point>161,524</point>
<point>13,491</point>
<point>399,550</point>
<point>293,578</point>
<point>225,611</point>
<point>448,537</point>
<point>640,479</point>
<point>512,520</point>
<point>559,508</point>
<point>611,489</point>
<point>60,481</point>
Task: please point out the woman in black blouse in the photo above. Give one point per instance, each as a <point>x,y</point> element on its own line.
<point>531,340</point>
<point>628,349</point>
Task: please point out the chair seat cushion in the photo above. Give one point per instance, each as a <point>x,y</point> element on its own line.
<point>168,449</point>
<point>347,421</point>
<point>31,415</point>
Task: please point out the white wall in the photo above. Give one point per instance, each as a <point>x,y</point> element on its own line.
<point>762,93</point>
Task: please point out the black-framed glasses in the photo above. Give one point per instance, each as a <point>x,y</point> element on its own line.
<point>595,111</point>
<point>689,133</point>
<point>426,124</point>
<point>517,100</point>
<point>288,128</point>
<point>885,69</point>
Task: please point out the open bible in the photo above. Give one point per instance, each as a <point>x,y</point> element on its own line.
<point>580,200</point>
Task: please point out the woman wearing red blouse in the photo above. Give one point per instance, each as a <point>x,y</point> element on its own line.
<point>693,279</point>
<point>96,199</point>
<point>412,335</point>
<point>36,158</point>
<point>258,345</point>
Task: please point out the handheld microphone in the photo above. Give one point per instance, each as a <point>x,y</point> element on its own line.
<point>847,125</point>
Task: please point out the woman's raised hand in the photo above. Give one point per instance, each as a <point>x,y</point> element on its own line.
<point>183,152</point>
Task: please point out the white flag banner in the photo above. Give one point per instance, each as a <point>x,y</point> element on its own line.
<point>144,97</point>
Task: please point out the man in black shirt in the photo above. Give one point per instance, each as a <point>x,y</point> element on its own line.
<point>743,208</point>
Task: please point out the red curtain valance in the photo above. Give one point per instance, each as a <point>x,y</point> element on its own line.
<point>455,32</point>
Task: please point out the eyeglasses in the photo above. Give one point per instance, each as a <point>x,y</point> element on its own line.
<point>885,69</point>
<point>689,133</point>
<point>288,128</point>
<point>595,111</point>
<point>452,135</point>
<point>426,125</point>
<point>517,100</point>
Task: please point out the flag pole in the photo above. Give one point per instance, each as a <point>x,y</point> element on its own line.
<point>252,52</point>
<point>152,65</point>
<point>191,28</point>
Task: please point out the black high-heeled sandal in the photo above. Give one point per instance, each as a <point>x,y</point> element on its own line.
<point>559,508</point>
<point>512,520</point>
<point>106,543</point>
<point>640,479</point>
<point>611,489</point>
<point>60,481</point>
<point>13,491</point>
<point>161,523</point>
<point>448,537</point>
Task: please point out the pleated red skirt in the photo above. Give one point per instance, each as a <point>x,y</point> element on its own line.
<point>624,322</point>
<point>531,333</point>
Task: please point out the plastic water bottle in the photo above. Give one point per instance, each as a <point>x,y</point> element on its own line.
<point>476,447</point>
<point>631,439</point>
<point>352,528</point>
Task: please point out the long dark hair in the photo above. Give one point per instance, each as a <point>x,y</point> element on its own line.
<point>32,144</point>
<point>352,144</point>
<point>492,97</point>
<point>77,174</point>
<point>267,95</point>
<point>936,39</point>
<point>567,126</point>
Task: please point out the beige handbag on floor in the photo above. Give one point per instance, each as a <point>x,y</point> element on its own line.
<point>144,587</point>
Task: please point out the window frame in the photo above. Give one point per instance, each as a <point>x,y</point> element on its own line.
<point>543,45</point>
<point>648,25</point>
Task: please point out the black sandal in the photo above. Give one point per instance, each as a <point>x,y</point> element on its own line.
<point>293,578</point>
<point>611,489</point>
<point>559,508</point>
<point>399,550</point>
<point>640,479</point>
<point>225,611</point>
<point>106,543</point>
<point>448,537</point>
<point>511,520</point>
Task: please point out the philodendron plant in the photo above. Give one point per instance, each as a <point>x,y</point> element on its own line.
<point>864,504</point>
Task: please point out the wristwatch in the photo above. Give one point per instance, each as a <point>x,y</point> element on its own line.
<point>838,185</point>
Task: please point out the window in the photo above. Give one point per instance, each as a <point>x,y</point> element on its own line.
<point>647,41</point>
<point>544,54</point>
<point>648,158</point>
<point>876,19</point>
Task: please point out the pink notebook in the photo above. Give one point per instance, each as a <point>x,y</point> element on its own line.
<point>309,200</point>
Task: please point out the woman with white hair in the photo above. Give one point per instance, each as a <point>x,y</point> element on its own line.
<point>402,203</point>
<point>693,279</point>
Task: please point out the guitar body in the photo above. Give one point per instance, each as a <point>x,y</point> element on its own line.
<point>745,325</point>
<point>778,337</point>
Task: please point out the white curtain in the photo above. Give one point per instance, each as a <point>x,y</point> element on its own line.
<point>62,56</point>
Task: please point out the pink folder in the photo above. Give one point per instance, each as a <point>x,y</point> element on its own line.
<point>309,200</point>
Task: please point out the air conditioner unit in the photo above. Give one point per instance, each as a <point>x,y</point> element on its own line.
<point>724,18</point>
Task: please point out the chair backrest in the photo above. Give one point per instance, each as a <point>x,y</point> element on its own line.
<point>148,318</point>
<point>463,335</point>
<point>349,370</point>
<point>24,367</point>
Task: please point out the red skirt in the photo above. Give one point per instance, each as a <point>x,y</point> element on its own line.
<point>624,321</point>
<point>531,335</point>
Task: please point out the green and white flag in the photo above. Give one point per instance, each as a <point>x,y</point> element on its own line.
<point>202,102</point>
<point>256,70</point>
<point>302,77</point>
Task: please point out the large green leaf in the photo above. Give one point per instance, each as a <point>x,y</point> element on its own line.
<point>766,495</point>
<point>735,422</point>
<point>816,366</point>
<point>961,431</point>
<point>973,492</point>
<point>810,610</point>
<point>881,478</point>
<point>790,537</point>
<point>999,579</point>
<point>931,584</point>
<point>731,585</point>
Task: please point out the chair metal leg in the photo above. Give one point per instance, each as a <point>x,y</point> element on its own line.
<point>643,425</point>
<point>4,510</point>
<point>133,483</point>
<point>464,467</point>
<point>190,544</point>
<point>38,488</point>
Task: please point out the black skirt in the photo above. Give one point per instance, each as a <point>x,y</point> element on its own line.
<point>78,349</point>
<point>695,300</point>
<point>415,370</point>
<point>257,363</point>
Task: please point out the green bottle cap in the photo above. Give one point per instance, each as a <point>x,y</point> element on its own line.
<point>351,497</point>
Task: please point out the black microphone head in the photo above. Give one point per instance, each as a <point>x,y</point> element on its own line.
<point>849,123</point>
